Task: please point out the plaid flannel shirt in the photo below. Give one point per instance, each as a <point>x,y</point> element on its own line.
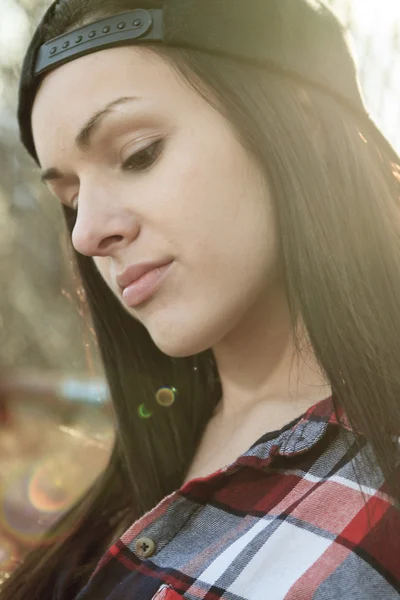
<point>286,520</point>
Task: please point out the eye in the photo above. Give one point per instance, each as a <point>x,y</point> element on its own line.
<point>144,158</point>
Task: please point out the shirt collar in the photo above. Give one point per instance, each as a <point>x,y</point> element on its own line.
<point>289,441</point>
<point>302,436</point>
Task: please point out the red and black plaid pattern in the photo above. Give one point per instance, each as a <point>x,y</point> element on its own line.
<point>287,520</point>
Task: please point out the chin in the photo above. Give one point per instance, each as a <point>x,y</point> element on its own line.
<point>179,348</point>
<point>177,343</point>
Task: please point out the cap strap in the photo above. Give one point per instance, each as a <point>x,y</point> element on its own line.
<point>136,25</point>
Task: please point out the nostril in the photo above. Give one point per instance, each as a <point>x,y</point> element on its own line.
<point>109,241</point>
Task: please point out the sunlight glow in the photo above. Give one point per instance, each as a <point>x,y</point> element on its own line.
<point>14,30</point>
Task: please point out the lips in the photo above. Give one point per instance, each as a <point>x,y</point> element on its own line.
<point>136,271</point>
<point>141,290</point>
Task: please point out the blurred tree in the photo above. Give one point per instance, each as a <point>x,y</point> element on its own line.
<point>40,321</point>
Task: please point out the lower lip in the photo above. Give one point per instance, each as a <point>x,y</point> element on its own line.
<point>142,289</point>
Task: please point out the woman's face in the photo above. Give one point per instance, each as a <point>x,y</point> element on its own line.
<point>159,176</point>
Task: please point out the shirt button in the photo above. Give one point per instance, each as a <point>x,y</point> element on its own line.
<point>145,547</point>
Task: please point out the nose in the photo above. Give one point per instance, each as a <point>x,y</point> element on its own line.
<point>103,225</point>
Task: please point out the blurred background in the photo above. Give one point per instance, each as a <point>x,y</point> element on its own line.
<point>56,427</point>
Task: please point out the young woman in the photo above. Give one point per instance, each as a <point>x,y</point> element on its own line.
<point>235,217</point>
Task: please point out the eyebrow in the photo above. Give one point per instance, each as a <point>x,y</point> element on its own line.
<point>84,138</point>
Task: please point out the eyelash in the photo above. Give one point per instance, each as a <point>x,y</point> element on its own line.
<point>128,164</point>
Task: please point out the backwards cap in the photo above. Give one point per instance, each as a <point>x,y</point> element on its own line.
<point>301,39</point>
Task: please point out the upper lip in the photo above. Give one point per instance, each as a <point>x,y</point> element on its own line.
<point>136,271</point>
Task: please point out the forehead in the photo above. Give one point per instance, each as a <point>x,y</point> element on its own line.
<point>71,94</point>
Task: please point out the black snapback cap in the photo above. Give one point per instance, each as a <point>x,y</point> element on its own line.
<point>301,39</point>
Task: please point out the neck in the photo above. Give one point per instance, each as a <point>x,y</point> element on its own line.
<point>258,364</point>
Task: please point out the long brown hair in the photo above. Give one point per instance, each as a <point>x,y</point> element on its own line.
<point>338,221</point>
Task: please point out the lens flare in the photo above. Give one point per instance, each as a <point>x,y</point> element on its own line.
<point>53,485</point>
<point>166,396</point>
<point>18,518</point>
<point>143,412</point>
<point>35,496</point>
